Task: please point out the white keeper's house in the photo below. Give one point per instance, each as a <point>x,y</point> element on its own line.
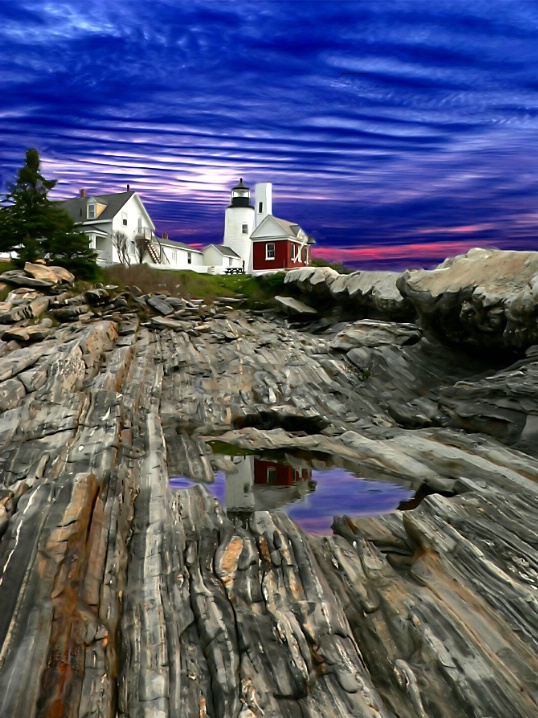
<point>121,231</point>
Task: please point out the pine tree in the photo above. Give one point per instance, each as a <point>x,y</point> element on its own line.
<point>35,228</point>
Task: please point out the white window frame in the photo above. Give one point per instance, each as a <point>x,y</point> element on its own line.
<point>270,246</point>
<point>189,257</point>
<point>124,219</point>
<point>92,211</point>
<point>230,260</point>
<point>244,229</point>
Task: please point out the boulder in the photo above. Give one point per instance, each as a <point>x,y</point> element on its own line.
<point>56,275</point>
<point>95,297</point>
<point>312,280</point>
<point>25,335</point>
<point>370,294</point>
<point>160,305</point>
<point>375,294</point>
<point>295,308</point>
<point>20,279</point>
<point>70,314</point>
<point>485,298</point>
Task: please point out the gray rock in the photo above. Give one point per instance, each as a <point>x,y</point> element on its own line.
<point>20,279</point>
<point>56,275</point>
<point>295,308</point>
<point>371,333</point>
<point>70,313</point>
<point>486,298</point>
<point>160,305</point>
<point>96,297</point>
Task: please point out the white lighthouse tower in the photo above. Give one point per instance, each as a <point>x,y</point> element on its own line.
<point>239,223</point>
<point>264,201</point>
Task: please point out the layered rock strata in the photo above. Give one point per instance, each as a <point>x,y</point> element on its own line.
<point>121,597</point>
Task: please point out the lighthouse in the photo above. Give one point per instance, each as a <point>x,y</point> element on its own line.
<point>239,223</point>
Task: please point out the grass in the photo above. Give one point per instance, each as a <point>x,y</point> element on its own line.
<point>192,285</point>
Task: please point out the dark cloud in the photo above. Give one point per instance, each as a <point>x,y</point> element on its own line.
<point>436,131</point>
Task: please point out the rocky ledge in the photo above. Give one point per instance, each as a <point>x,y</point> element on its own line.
<point>121,597</point>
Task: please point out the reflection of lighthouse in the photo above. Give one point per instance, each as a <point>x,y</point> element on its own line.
<point>239,494</point>
<point>259,485</point>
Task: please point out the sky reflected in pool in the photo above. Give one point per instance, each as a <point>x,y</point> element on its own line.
<point>310,497</point>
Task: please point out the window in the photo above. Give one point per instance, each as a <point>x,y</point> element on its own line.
<point>124,219</point>
<point>271,475</point>
<point>229,261</point>
<point>189,257</point>
<point>293,252</point>
<point>260,207</point>
<point>245,229</point>
<point>269,251</point>
<point>91,211</point>
<point>140,224</point>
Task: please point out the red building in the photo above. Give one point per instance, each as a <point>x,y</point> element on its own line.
<point>279,244</point>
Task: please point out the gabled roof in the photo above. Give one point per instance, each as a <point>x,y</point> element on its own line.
<point>289,229</point>
<point>223,249</point>
<point>113,202</point>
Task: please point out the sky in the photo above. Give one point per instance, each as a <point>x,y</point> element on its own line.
<point>395,132</point>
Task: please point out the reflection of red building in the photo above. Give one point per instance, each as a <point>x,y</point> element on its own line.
<point>272,473</point>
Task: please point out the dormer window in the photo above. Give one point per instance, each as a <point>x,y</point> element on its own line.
<point>91,211</point>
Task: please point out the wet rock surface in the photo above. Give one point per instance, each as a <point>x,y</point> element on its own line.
<point>120,597</point>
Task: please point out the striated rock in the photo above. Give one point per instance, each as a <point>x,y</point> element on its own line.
<point>369,294</point>
<point>485,298</point>
<point>122,597</point>
<point>371,333</point>
<point>503,405</point>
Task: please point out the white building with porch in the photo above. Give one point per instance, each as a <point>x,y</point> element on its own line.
<point>121,231</point>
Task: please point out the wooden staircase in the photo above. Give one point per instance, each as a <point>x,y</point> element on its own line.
<point>145,239</point>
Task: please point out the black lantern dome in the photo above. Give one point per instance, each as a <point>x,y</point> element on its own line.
<point>240,195</point>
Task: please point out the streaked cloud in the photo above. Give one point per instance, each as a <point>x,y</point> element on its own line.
<point>436,135</point>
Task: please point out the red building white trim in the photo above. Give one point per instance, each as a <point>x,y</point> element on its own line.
<point>279,244</point>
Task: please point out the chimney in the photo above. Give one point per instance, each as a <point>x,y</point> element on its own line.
<point>165,235</point>
<point>82,193</point>
<point>128,188</point>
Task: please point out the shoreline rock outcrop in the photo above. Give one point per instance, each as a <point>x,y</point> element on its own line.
<point>121,597</point>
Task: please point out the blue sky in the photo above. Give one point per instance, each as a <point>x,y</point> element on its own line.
<point>430,149</point>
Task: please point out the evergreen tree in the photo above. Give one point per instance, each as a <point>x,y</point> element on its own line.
<point>36,228</point>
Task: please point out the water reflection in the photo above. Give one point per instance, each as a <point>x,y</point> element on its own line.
<point>310,497</point>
